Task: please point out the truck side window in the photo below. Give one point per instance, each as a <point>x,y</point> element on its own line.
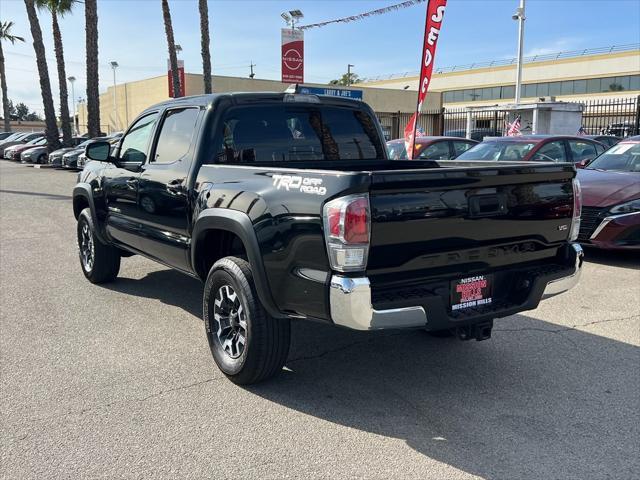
<point>135,143</point>
<point>176,134</point>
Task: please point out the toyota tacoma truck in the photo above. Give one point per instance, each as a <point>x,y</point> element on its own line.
<point>287,207</point>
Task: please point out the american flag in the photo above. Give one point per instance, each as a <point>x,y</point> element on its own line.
<point>514,128</point>
<point>582,131</point>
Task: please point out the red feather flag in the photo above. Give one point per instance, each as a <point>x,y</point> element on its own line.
<point>432,27</point>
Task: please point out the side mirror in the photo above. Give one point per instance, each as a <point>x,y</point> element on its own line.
<point>98,151</point>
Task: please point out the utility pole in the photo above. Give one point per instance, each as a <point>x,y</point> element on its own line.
<point>115,65</point>
<point>73,101</point>
<point>349,74</point>
<point>251,75</point>
<point>520,18</point>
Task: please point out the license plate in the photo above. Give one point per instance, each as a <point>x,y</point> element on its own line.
<point>471,292</point>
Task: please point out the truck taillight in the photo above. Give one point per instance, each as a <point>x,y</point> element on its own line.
<point>577,210</point>
<point>347,226</point>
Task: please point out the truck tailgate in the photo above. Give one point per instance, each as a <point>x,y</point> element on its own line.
<point>451,222</point>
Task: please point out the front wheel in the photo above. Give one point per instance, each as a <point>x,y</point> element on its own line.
<point>246,343</point>
<point>100,262</point>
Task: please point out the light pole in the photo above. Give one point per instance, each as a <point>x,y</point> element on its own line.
<point>114,65</point>
<point>349,74</point>
<point>293,17</point>
<point>72,80</point>
<point>520,18</point>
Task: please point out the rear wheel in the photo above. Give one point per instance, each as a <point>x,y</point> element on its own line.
<point>246,343</point>
<point>100,262</point>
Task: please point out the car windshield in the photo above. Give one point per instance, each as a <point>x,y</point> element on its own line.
<point>37,141</point>
<point>85,143</point>
<point>623,157</point>
<point>498,150</point>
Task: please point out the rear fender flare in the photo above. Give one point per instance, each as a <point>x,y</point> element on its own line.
<point>239,224</point>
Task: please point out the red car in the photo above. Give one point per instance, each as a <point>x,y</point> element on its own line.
<point>431,148</point>
<point>611,198</point>
<point>537,148</point>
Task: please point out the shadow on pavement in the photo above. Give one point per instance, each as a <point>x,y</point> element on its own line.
<point>168,286</point>
<point>623,259</point>
<point>536,401</point>
<point>49,196</point>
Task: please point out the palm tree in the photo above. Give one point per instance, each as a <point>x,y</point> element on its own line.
<point>173,58</point>
<point>51,127</point>
<point>204,35</point>
<point>60,7</point>
<point>5,35</point>
<point>93,95</point>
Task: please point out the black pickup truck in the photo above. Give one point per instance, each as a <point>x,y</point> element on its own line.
<point>287,207</point>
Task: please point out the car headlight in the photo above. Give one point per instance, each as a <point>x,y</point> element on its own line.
<point>629,207</point>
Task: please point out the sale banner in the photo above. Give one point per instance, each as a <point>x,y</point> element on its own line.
<point>292,56</point>
<point>432,27</point>
<point>181,93</point>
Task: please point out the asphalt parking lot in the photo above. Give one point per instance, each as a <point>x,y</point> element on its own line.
<point>117,381</point>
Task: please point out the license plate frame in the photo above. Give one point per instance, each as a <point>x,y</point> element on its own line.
<point>471,292</point>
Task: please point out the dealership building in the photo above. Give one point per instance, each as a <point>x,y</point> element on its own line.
<point>577,76</point>
<point>607,79</point>
<point>132,98</point>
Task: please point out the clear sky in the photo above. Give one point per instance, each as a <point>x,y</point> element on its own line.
<point>132,33</point>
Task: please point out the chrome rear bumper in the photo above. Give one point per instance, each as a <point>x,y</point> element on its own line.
<point>561,285</point>
<point>351,307</point>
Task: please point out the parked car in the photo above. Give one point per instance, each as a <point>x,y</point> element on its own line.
<point>35,155</point>
<point>611,198</point>
<point>431,148</point>
<point>622,129</point>
<point>477,134</point>
<point>55,157</point>
<point>537,148</point>
<point>606,140</point>
<point>13,153</point>
<point>24,138</point>
<point>288,207</point>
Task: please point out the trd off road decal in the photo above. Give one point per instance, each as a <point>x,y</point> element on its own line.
<point>312,186</point>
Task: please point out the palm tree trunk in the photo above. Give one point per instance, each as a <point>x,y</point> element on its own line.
<point>5,98</point>
<point>173,58</point>
<point>93,95</point>
<point>62,80</point>
<point>51,132</point>
<point>206,55</point>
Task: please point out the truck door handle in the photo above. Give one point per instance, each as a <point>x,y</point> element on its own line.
<point>132,182</point>
<point>487,205</point>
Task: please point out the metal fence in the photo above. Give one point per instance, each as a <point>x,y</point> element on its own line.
<point>618,116</point>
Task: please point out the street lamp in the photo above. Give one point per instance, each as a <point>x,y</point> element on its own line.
<point>293,17</point>
<point>114,65</point>
<point>72,80</point>
<point>178,48</point>
<point>520,18</point>
<point>349,74</point>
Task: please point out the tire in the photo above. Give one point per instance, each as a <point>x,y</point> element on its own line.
<point>41,159</point>
<point>230,288</point>
<point>100,263</point>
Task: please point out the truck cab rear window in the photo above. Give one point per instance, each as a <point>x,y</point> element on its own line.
<point>282,133</point>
